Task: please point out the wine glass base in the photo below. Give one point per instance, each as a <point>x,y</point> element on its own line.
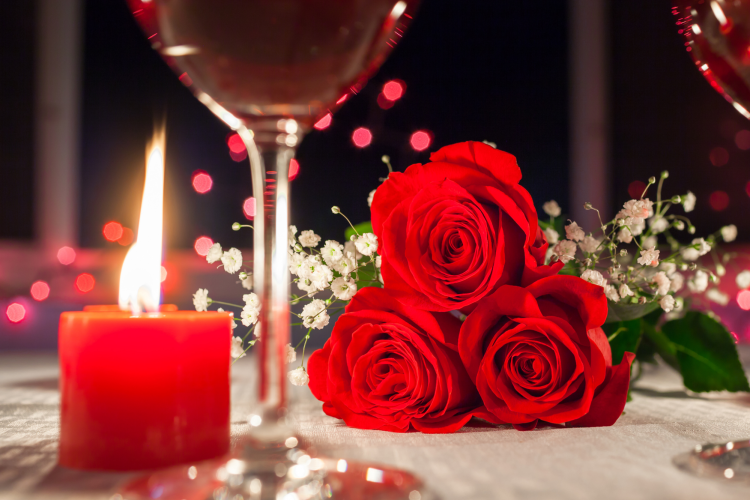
<point>276,474</point>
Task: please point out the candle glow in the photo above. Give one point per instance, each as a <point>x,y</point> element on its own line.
<point>140,278</point>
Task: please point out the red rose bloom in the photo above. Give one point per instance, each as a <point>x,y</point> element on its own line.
<point>538,354</point>
<point>452,231</point>
<point>391,367</point>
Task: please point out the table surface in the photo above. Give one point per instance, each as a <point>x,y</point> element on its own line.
<point>632,459</point>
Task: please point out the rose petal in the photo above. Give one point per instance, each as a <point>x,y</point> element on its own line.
<point>609,403</point>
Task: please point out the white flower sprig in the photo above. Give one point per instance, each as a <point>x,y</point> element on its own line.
<point>653,273</point>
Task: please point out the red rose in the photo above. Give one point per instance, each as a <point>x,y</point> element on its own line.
<point>454,230</point>
<point>537,353</point>
<point>391,367</point>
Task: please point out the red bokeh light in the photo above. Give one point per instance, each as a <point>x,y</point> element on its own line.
<point>202,182</point>
<point>635,189</point>
<point>39,290</point>
<point>127,237</point>
<point>324,122</point>
<point>420,140</point>
<point>719,200</point>
<point>384,102</point>
<point>342,98</point>
<point>747,188</point>
<point>85,283</point>
<point>202,245</point>
<point>362,137</point>
<point>719,157</point>
<point>238,157</point>
<point>742,139</point>
<point>235,143</point>
<point>248,208</point>
<point>112,231</point>
<point>15,312</point>
<point>393,90</point>
<point>293,169</point>
<point>743,299</point>
<point>66,256</point>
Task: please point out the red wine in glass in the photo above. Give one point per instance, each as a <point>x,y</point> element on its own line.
<point>271,70</point>
<point>717,36</point>
<point>268,59</point>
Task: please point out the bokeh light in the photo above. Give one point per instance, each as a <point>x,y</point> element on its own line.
<point>635,189</point>
<point>202,182</point>
<point>719,157</point>
<point>747,188</point>
<point>719,200</point>
<point>735,337</point>
<point>248,208</point>
<point>384,103</point>
<point>743,299</point>
<point>393,90</point>
<point>85,282</point>
<point>163,274</point>
<point>39,290</point>
<point>15,312</point>
<point>238,157</point>
<point>362,137</point>
<point>420,140</point>
<point>66,256</point>
<point>127,237</point>
<point>112,231</point>
<point>202,245</point>
<point>324,122</point>
<point>234,141</point>
<point>293,169</point>
<point>742,139</point>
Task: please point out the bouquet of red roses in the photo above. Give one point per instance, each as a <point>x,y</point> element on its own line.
<point>456,301</point>
<point>470,322</point>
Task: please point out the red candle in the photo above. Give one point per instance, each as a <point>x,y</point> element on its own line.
<point>145,391</point>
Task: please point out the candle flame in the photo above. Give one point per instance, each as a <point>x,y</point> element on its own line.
<point>140,278</point>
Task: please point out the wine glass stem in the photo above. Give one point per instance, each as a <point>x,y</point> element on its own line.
<point>269,166</point>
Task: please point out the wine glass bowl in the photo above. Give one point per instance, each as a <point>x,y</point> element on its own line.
<point>717,36</point>
<point>263,60</point>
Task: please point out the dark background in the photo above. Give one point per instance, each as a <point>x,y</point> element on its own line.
<point>474,70</point>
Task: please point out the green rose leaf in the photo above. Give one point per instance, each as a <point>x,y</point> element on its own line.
<point>624,336</point>
<point>627,312</point>
<point>362,227</point>
<point>706,353</point>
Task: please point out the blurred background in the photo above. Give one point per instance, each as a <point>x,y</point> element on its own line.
<point>592,97</point>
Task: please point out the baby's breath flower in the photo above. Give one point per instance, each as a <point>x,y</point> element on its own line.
<point>371,197</point>
<point>295,262</point>
<point>717,296</point>
<point>625,291</point>
<point>343,289</point>
<point>743,279</point>
<point>667,303</point>
<point>650,241</point>
<point>551,208</point>
<point>663,284</point>
<point>292,235</point>
<point>552,236</point>
<point>332,252</point>
<point>252,300</point>
<point>658,225</point>
<point>574,232</point>
<point>378,261</point>
<point>690,254</point>
<point>346,265</point>
<point>309,239</point>
<point>201,300</point>
<point>593,277</point>
<point>249,315</point>
<point>247,282</point>
<point>236,226</point>
<point>565,250</point>
<point>611,293</point>
<point>699,282</point>
<point>238,350</point>
<point>291,354</point>
<point>314,315</point>
<point>335,209</point>
<point>729,233</point>
<point>367,244</point>
<point>214,253</point>
<point>678,281</point>
<point>649,257</point>
<point>232,260</point>
<point>298,377</point>
<point>589,244</point>
<point>688,202</point>
<point>679,225</point>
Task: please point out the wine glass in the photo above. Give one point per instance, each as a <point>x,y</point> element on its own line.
<point>272,70</point>
<point>717,36</point>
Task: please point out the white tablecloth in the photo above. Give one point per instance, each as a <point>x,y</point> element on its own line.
<point>631,460</point>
